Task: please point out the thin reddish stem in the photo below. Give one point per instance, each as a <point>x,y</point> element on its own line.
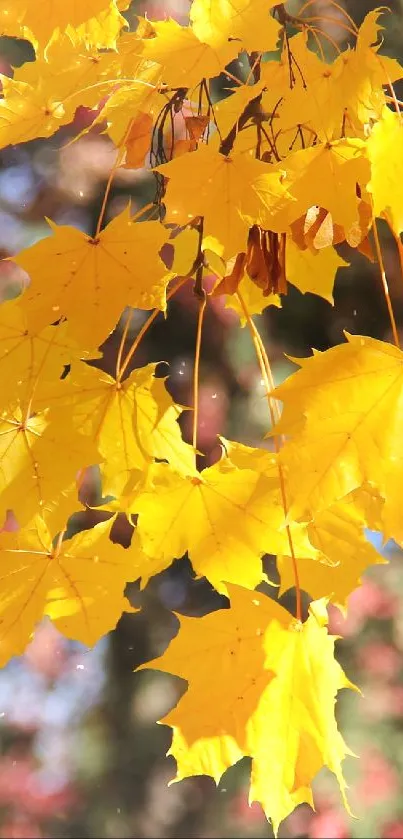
<point>112,173</point>
<point>385,285</point>
<point>144,329</point>
<point>335,5</point>
<point>196,372</point>
<point>333,20</point>
<point>398,241</point>
<point>267,377</point>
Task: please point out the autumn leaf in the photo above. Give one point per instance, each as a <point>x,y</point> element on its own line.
<point>349,399</point>
<point>386,168</point>
<point>129,422</point>
<point>138,141</point>
<point>272,699</point>
<point>102,31</point>
<point>313,272</point>
<point>53,15</point>
<point>30,359</point>
<point>254,299</point>
<point>231,640</point>
<point>303,735</point>
<point>73,74</point>
<point>344,553</point>
<point>178,515</point>
<point>78,583</point>
<point>184,59</point>
<point>219,188</point>
<point>27,112</point>
<point>228,111</point>
<point>42,455</point>
<point>325,175</point>
<point>229,26</point>
<point>130,103</point>
<point>73,274</point>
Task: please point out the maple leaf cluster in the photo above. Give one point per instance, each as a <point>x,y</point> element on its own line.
<point>257,188</point>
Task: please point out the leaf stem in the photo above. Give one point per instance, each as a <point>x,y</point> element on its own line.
<point>144,329</point>
<point>267,377</point>
<point>398,241</point>
<point>202,308</point>
<point>385,284</point>
<point>112,173</point>
<point>59,543</point>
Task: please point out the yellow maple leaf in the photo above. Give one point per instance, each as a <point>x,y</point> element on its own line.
<point>294,733</point>
<point>78,583</point>
<point>230,640</point>
<point>50,16</point>
<point>129,422</point>
<point>72,73</point>
<point>348,401</point>
<point>91,280</point>
<point>227,111</point>
<point>128,102</point>
<point>29,359</point>
<point>324,175</point>
<point>278,709</point>
<point>226,517</point>
<point>344,554</point>
<point>184,59</point>
<point>103,30</point>
<point>39,453</point>
<point>138,142</point>
<point>27,112</point>
<point>254,299</point>
<point>230,26</point>
<point>209,184</point>
<point>312,271</point>
<point>386,168</point>
<point>342,97</point>
<point>11,16</point>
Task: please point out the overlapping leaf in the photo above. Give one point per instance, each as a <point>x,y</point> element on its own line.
<point>90,280</point>
<point>51,16</point>
<point>344,553</point>
<point>272,699</point>
<point>78,583</point>
<point>232,25</point>
<point>129,422</point>
<point>222,190</point>
<point>350,399</point>
<point>183,58</point>
<point>226,517</point>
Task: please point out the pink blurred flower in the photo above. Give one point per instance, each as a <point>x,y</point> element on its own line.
<point>370,600</point>
<point>24,788</point>
<point>47,651</point>
<point>379,780</point>
<point>20,828</point>
<point>329,823</point>
<point>393,830</point>
<point>241,811</point>
<point>379,659</point>
<point>396,700</point>
<point>383,701</point>
<point>224,313</point>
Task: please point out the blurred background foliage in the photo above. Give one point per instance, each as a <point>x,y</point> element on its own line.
<point>81,755</point>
